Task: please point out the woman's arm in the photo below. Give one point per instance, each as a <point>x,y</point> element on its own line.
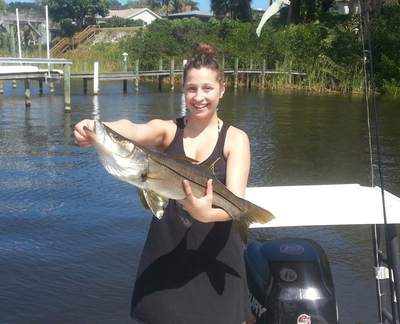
<point>237,151</point>
<point>156,133</point>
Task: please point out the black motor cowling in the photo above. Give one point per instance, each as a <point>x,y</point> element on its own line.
<point>290,282</point>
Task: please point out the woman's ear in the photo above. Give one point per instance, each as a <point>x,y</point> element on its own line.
<point>222,90</point>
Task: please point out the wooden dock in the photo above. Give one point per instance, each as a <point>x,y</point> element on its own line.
<point>33,72</point>
<point>25,72</point>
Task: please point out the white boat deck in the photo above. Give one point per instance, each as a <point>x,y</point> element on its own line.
<point>17,69</point>
<point>7,69</point>
<point>322,205</point>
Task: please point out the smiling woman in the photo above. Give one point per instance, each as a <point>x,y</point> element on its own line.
<point>192,268</point>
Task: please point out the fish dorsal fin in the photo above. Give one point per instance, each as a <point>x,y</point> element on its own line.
<point>185,158</point>
<point>153,201</point>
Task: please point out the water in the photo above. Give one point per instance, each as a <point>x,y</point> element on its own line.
<point>71,235</point>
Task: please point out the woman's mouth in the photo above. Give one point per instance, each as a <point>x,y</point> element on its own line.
<point>200,107</point>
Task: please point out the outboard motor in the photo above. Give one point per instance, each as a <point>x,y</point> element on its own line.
<point>290,282</point>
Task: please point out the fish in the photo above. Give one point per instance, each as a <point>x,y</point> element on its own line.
<point>159,177</point>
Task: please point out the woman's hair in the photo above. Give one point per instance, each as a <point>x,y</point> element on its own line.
<point>203,56</point>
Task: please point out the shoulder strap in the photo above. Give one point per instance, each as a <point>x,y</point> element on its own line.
<point>180,122</point>
<point>222,136</point>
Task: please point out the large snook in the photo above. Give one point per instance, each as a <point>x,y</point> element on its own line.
<point>159,177</point>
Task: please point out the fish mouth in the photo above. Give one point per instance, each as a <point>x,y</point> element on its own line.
<point>104,140</point>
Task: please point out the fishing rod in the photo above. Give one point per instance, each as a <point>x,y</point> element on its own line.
<point>392,259</point>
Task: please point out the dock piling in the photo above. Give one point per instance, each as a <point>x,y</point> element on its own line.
<point>172,74</point>
<point>67,88</point>
<point>125,86</point>
<point>27,94</point>
<point>248,76</point>
<point>137,74</point>
<point>236,73</point>
<point>1,87</point>
<point>96,78</point>
<point>84,85</point>
<point>40,87</point>
<point>263,74</point>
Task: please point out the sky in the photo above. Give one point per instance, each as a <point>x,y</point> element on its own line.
<point>204,5</point>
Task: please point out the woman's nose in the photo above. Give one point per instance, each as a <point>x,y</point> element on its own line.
<point>199,95</point>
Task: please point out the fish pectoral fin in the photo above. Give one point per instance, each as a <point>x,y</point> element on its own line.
<point>153,201</point>
<point>254,214</point>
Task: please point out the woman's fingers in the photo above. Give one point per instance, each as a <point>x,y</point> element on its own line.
<point>187,189</point>
<point>209,190</point>
<point>81,138</point>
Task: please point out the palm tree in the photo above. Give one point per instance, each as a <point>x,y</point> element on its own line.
<point>220,8</point>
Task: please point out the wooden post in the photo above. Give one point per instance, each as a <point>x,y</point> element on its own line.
<point>40,87</point>
<point>51,85</point>
<point>27,94</point>
<point>67,87</point>
<point>236,73</point>
<point>84,85</point>
<point>125,86</point>
<point>263,74</point>
<point>160,64</point>
<point>12,41</point>
<point>137,74</point>
<point>96,78</point>
<point>13,49</point>
<point>125,82</point>
<point>248,81</point>
<point>1,86</point>
<point>172,75</point>
<point>159,83</point>
<point>40,48</point>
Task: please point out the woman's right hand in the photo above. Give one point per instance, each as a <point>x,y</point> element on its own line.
<point>81,138</point>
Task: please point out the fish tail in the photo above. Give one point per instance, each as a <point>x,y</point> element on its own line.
<point>254,214</point>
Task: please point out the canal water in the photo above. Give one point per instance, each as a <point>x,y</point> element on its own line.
<point>71,235</point>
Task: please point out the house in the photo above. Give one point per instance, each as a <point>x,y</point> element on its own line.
<point>205,16</point>
<point>144,14</point>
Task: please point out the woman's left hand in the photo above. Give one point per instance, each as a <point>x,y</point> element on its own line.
<point>198,208</point>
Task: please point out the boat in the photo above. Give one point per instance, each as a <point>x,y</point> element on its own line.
<point>289,279</point>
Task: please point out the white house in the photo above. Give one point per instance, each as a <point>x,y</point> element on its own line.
<point>143,14</point>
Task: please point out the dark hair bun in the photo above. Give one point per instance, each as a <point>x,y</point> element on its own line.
<point>204,55</point>
<point>205,51</point>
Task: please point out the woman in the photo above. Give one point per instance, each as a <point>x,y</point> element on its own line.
<point>192,269</point>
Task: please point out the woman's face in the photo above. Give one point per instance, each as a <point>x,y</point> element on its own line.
<point>202,91</point>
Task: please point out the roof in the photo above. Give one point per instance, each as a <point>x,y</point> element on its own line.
<point>23,17</point>
<point>322,205</point>
<point>129,13</point>
<point>187,14</point>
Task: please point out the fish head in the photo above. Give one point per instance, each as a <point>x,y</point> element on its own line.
<point>121,157</point>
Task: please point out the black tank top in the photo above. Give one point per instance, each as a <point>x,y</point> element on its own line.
<point>191,272</point>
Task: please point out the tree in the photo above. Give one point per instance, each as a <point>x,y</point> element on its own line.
<point>151,4</point>
<point>77,10</point>
<point>115,4</point>
<point>237,9</point>
<point>3,6</point>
